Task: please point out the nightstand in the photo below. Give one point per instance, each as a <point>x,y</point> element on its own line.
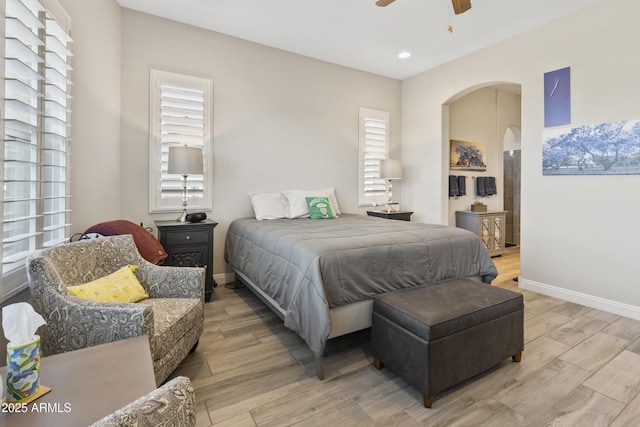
<point>399,215</point>
<point>189,245</point>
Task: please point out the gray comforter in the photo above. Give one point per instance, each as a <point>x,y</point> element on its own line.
<point>308,266</point>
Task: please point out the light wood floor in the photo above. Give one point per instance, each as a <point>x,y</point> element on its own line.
<point>580,367</point>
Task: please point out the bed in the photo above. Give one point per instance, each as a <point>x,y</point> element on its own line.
<point>319,275</point>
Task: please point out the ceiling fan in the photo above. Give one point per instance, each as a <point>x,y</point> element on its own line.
<point>459,6</point>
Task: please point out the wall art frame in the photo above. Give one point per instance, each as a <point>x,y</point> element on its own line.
<point>469,156</point>
<point>611,148</point>
<point>557,97</point>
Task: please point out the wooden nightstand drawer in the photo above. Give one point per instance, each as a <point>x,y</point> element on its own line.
<point>187,238</point>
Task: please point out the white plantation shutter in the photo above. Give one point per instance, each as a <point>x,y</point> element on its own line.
<point>36,122</point>
<point>180,115</point>
<point>374,146</point>
<point>182,123</point>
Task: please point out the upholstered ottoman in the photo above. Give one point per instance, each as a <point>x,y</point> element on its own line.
<point>438,335</point>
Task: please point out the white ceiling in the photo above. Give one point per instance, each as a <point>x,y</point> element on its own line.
<point>361,35</point>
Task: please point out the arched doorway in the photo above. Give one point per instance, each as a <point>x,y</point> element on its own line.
<point>482,114</point>
<point>490,114</point>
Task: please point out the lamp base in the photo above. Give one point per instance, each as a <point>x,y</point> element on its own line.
<point>182,217</point>
<point>389,202</point>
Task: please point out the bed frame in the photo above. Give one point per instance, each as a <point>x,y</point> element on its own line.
<point>306,293</point>
<point>344,319</point>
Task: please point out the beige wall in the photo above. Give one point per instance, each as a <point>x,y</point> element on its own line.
<point>281,120</point>
<point>95,133</point>
<point>579,233</point>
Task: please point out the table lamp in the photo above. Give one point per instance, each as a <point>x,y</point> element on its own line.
<point>390,169</point>
<point>185,161</point>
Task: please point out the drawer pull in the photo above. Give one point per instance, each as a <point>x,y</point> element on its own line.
<point>187,238</point>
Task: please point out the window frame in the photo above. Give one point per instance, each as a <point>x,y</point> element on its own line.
<point>158,149</point>
<point>372,190</point>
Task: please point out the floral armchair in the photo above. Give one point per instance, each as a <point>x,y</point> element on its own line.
<point>172,317</point>
<point>172,405</point>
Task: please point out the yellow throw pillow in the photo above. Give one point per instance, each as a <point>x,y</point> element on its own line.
<point>120,286</point>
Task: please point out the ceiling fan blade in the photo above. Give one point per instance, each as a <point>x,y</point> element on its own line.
<point>461,6</point>
<point>383,3</point>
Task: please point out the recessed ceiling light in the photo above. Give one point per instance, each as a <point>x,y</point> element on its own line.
<point>404,55</point>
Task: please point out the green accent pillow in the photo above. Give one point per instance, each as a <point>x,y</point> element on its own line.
<point>319,208</point>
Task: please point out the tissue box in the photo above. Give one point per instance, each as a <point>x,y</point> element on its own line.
<point>23,370</point>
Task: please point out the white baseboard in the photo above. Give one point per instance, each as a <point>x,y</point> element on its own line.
<point>619,308</point>
<point>224,278</point>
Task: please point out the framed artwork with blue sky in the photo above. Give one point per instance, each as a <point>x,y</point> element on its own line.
<point>557,97</point>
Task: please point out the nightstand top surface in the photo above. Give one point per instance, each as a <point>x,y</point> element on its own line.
<point>400,215</point>
<point>171,223</point>
<point>394,212</point>
<point>487,212</point>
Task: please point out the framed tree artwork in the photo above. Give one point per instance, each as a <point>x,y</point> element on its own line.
<point>469,156</point>
<point>611,148</point>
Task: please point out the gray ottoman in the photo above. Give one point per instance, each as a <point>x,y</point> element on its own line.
<point>438,335</point>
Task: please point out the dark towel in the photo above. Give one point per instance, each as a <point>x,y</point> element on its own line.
<point>486,186</point>
<point>453,186</point>
<point>481,186</point>
<point>491,186</point>
<point>462,185</point>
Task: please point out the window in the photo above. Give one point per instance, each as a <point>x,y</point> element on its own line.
<point>181,114</point>
<point>35,145</point>
<point>374,146</point>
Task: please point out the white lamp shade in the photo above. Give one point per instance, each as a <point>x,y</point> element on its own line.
<point>185,160</point>
<point>390,169</point>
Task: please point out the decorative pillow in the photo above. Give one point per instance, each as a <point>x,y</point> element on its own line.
<point>296,203</point>
<point>148,246</point>
<point>319,208</point>
<point>119,286</point>
<point>267,205</point>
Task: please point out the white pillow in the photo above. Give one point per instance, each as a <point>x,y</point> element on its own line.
<point>296,202</point>
<point>267,205</point>
<point>333,200</point>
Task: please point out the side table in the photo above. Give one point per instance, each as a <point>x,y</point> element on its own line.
<point>86,385</point>
<point>489,226</point>
<point>399,215</point>
<point>189,245</point>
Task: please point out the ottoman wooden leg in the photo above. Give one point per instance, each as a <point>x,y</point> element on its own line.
<point>428,401</point>
<point>377,363</point>
<point>517,357</point>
